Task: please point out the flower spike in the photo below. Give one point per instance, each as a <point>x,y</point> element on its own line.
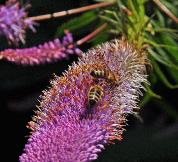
<point>62,130</point>
<point>47,52</point>
<point>14,22</point>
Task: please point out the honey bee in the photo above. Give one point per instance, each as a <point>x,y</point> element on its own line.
<point>104,74</point>
<point>95,94</point>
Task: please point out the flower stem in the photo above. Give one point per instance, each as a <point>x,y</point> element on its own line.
<point>91,35</point>
<point>166,10</point>
<point>70,12</point>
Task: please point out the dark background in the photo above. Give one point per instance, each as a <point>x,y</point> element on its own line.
<point>20,87</point>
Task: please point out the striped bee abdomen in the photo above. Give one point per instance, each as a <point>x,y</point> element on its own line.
<point>95,94</point>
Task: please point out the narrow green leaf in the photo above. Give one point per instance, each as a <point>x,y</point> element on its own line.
<point>157,57</point>
<point>162,52</point>
<point>167,55</point>
<point>113,13</point>
<point>161,19</point>
<point>145,100</point>
<point>161,59</point>
<point>166,30</point>
<point>151,93</point>
<point>154,44</point>
<point>110,20</point>
<point>141,10</point>
<point>132,7</point>
<point>162,76</point>
<point>170,42</point>
<point>174,74</point>
<point>77,23</point>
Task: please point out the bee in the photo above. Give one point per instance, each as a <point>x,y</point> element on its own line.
<point>95,94</point>
<point>108,75</point>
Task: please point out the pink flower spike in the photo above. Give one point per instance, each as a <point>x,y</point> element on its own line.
<point>14,22</point>
<point>48,52</point>
<point>67,126</point>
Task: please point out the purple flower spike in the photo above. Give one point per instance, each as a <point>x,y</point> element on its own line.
<point>67,127</point>
<point>14,22</point>
<point>47,52</point>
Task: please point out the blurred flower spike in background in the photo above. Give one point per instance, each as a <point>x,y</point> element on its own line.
<point>65,127</point>
<point>48,52</point>
<point>14,22</point>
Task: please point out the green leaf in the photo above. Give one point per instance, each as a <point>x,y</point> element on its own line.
<point>113,13</point>
<point>145,100</point>
<point>168,56</point>
<point>154,44</point>
<point>108,19</point>
<point>162,52</point>
<point>161,19</point>
<point>77,23</point>
<point>161,59</point>
<point>170,42</point>
<point>163,77</point>
<point>132,7</point>
<point>165,30</point>
<point>174,74</point>
<point>151,93</point>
